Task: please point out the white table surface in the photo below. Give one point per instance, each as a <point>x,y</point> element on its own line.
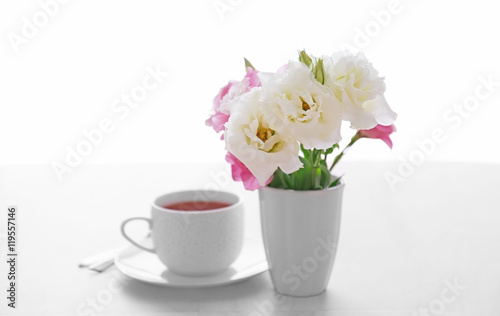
<point>399,250</point>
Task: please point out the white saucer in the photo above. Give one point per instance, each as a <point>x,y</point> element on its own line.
<point>146,267</point>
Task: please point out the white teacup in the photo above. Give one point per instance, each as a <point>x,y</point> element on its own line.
<point>195,242</point>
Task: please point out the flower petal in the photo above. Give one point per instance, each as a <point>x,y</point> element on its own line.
<point>252,141</point>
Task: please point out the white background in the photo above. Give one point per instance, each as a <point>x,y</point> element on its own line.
<point>64,79</point>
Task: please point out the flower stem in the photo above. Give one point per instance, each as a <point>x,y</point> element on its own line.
<point>336,160</point>
<point>318,157</point>
<point>282,179</point>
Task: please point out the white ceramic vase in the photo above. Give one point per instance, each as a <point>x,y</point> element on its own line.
<point>300,231</point>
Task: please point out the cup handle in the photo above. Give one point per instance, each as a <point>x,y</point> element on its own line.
<point>133,242</point>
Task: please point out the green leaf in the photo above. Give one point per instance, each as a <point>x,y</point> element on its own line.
<point>305,152</point>
<point>303,176</point>
<point>288,180</point>
<point>319,71</point>
<point>276,182</point>
<point>326,176</point>
<point>314,155</point>
<point>317,179</point>
<point>335,182</point>
<point>331,149</point>
<point>299,179</point>
<point>307,183</point>
<point>306,162</point>
<point>281,180</point>
<point>323,163</point>
<point>304,58</point>
<point>317,156</point>
<point>314,175</point>
<point>248,64</point>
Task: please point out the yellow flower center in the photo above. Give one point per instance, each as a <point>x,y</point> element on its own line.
<point>305,106</point>
<point>264,133</point>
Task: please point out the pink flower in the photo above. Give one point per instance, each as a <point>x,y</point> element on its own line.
<point>218,119</point>
<point>379,132</point>
<point>241,173</point>
<point>253,78</point>
<point>222,102</point>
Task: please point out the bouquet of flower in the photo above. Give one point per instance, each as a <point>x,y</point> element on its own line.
<point>280,128</point>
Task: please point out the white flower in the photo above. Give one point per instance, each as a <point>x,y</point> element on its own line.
<point>297,105</point>
<point>250,139</point>
<point>359,88</point>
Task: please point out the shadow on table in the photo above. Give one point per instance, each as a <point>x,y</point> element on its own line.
<point>221,298</point>
<point>252,295</point>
